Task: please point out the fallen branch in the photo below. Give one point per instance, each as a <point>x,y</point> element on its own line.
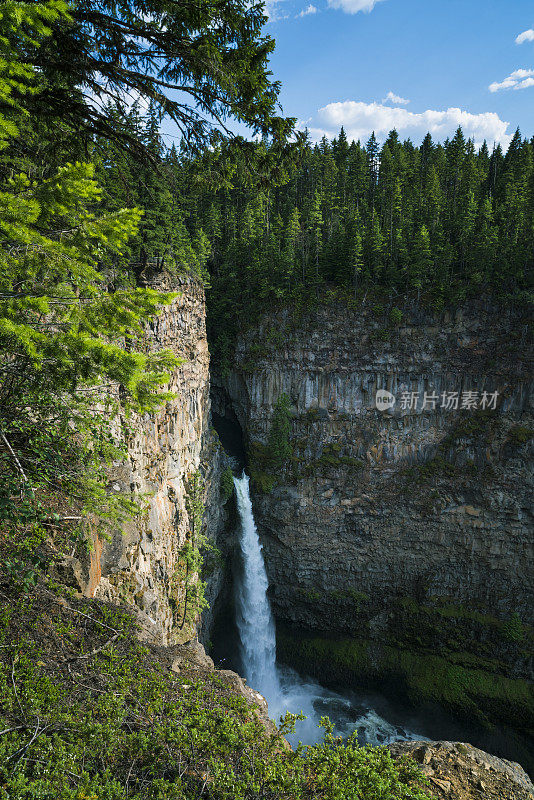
<point>75,611</point>
<point>93,652</point>
<point>16,728</point>
<point>14,456</point>
<point>22,750</point>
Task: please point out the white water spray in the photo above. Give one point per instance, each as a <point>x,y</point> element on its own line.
<point>254,617</point>
<point>285,690</point>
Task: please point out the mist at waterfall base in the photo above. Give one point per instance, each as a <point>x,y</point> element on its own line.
<point>282,687</point>
<point>380,716</point>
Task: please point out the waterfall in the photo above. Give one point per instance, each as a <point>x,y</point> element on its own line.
<point>254,617</point>
<point>283,688</point>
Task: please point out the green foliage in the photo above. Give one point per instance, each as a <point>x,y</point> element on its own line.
<point>263,481</point>
<point>520,434</point>
<point>353,596</point>
<point>71,345</point>
<point>268,461</point>
<point>437,467</point>
<point>513,629</point>
<point>310,595</point>
<point>395,316</point>
<point>227,484</point>
<point>162,240</point>
<point>331,457</point>
<point>22,26</point>
<point>86,712</point>
<point>187,588</point>
<point>199,64</point>
<point>430,225</point>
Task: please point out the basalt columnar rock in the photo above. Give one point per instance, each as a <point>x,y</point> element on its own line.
<point>140,564</point>
<point>403,536</point>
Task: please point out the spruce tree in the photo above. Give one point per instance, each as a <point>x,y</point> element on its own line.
<point>213,54</point>
<point>64,338</point>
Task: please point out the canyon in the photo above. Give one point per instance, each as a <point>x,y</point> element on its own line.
<point>398,544</point>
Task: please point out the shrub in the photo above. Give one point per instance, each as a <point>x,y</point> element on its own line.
<point>87,712</point>
<point>227,484</point>
<point>395,316</point>
<point>520,434</point>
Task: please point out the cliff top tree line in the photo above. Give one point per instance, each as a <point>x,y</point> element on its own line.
<point>435,223</point>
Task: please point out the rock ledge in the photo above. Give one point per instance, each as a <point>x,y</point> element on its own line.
<point>459,771</point>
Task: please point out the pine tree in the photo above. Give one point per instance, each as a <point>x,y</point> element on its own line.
<point>372,150</point>
<point>315,230</point>
<point>420,265</point>
<point>213,55</point>
<point>356,252</point>
<point>374,252</point>
<point>293,238</point>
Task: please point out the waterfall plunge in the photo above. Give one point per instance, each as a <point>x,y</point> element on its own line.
<point>254,617</point>
<point>284,689</point>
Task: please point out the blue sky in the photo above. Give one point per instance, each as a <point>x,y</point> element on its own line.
<point>468,62</point>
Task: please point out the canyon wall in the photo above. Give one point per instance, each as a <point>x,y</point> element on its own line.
<point>140,563</point>
<point>398,542</point>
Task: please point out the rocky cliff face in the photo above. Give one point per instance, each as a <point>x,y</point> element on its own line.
<point>460,771</point>
<point>140,564</point>
<point>401,531</point>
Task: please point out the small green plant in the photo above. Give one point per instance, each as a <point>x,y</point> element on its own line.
<point>520,434</point>
<point>395,316</point>
<point>352,595</point>
<point>513,629</point>
<point>310,595</point>
<point>227,484</point>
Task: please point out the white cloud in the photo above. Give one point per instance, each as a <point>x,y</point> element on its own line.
<point>272,9</point>
<point>307,11</point>
<point>526,36</point>
<point>353,6</point>
<point>361,119</point>
<point>391,97</point>
<point>519,79</point>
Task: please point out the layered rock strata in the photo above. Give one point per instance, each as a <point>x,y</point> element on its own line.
<point>404,534</point>
<point>140,564</point>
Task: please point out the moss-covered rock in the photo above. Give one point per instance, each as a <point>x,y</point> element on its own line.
<point>460,682</point>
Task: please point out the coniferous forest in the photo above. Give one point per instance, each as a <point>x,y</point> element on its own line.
<point>93,191</point>
<point>435,222</point>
